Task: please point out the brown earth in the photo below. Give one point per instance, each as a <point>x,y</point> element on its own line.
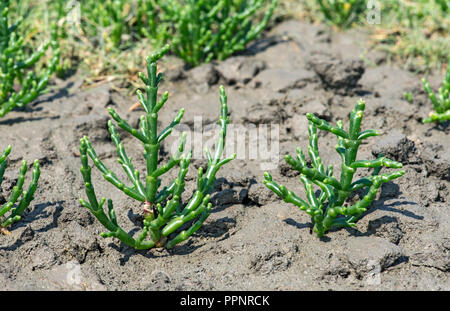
<point>252,240</point>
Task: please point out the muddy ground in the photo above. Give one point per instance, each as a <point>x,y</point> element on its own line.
<point>252,240</point>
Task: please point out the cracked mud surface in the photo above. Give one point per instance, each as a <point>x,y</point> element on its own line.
<point>252,240</point>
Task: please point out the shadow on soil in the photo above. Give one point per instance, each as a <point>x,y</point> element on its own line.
<point>389,191</point>
<point>37,213</point>
<point>218,229</point>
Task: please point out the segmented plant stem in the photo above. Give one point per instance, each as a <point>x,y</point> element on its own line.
<point>16,210</point>
<point>327,209</point>
<point>441,101</point>
<point>163,213</point>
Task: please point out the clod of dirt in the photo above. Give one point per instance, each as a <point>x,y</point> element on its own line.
<point>233,190</point>
<point>239,178</point>
<point>437,161</point>
<point>80,215</point>
<point>274,260</point>
<point>260,195</point>
<point>174,75</point>
<point>337,266</point>
<point>218,227</point>
<point>299,126</point>
<point>317,107</point>
<point>435,254</point>
<point>262,114</point>
<point>287,170</point>
<point>280,80</point>
<point>205,73</point>
<point>365,252</point>
<point>240,69</point>
<point>43,257</point>
<point>396,146</point>
<point>386,227</point>
<point>338,75</point>
<point>79,242</point>
<point>94,125</point>
<point>229,196</point>
<point>27,234</point>
<point>101,96</point>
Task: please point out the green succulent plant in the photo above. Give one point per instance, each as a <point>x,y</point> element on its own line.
<point>106,20</point>
<point>342,13</point>
<point>9,211</point>
<point>162,211</point>
<point>441,100</point>
<point>202,30</point>
<point>329,209</point>
<point>19,84</point>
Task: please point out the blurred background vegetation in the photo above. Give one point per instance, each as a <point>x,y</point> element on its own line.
<point>109,39</point>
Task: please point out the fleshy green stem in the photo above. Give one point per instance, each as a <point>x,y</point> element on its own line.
<point>441,101</point>
<point>17,192</point>
<point>162,210</point>
<point>327,209</point>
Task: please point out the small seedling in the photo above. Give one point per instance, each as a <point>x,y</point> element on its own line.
<point>328,209</point>
<point>162,211</point>
<point>15,212</point>
<point>441,101</point>
<point>342,13</point>
<point>408,96</point>
<point>202,30</point>
<point>15,65</point>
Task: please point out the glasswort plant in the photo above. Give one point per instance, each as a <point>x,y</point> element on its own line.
<point>441,101</point>
<point>163,212</point>
<point>328,209</point>
<point>27,196</point>
<point>209,29</point>
<point>15,65</point>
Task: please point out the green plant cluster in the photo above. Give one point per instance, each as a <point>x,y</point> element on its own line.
<point>441,100</point>
<point>16,65</point>
<point>108,22</point>
<point>342,13</point>
<point>163,212</point>
<point>328,209</point>
<point>202,30</point>
<point>9,211</point>
<point>417,32</point>
<point>106,38</point>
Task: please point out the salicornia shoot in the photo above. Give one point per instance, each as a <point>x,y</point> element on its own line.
<point>162,209</point>
<point>328,209</point>
<point>441,100</point>
<point>10,212</point>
